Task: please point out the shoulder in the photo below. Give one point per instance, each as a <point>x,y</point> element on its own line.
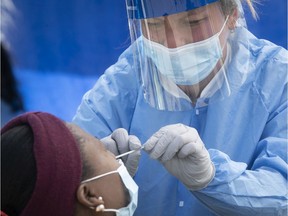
<point>270,68</point>
<point>265,64</point>
<point>116,90</point>
<point>121,74</point>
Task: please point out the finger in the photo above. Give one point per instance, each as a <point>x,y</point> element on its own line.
<point>162,144</point>
<point>192,148</point>
<point>133,159</point>
<point>179,135</point>
<point>134,143</point>
<point>151,142</point>
<point>110,145</point>
<point>132,162</point>
<point>157,144</point>
<point>173,148</point>
<point>120,136</point>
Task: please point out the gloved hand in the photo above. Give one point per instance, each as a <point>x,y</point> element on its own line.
<point>182,152</point>
<point>120,142</point>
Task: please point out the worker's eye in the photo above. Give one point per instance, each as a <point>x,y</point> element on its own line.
<point>157,24</point>
<point>195,22</point>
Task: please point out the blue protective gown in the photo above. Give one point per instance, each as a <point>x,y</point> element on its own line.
<point>245,134</point>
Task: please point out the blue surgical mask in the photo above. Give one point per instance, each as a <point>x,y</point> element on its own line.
<point>188,64</point>
<point>129,184</point>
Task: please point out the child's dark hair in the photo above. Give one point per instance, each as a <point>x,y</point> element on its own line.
<point>18,169</point>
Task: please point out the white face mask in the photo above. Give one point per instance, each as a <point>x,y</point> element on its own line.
<point>129,184</point>
<point>188,64</point>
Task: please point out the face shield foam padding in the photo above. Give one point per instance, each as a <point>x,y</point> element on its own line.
<point>143,9</point>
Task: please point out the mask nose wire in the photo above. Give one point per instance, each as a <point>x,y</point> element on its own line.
<point>129,152</point>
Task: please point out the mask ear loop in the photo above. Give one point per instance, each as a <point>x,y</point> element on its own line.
<point>222,28</point>
<point>227,49</point>
<point>101,208</point>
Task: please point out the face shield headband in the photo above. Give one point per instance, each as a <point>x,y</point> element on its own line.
<point>143,9</point>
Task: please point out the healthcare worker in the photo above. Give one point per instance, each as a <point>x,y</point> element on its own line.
<point>207,100</point>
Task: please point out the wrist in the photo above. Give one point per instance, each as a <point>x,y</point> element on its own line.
<point>204,181</point>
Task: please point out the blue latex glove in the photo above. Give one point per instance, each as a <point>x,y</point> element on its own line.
<point>182,152</point>
<point>120,142</point>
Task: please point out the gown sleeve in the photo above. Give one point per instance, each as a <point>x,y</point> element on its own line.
<point>261,187</point>
<point>110,103</point>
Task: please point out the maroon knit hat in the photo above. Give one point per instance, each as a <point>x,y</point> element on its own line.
<point>58,164</point>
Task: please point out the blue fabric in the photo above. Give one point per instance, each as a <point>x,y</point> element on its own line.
<point>143,9</point>
<point>271,26</point>
<point>56,93</point>
<point>75,36</point>
<point>7,113</point>
<point>60,48</point>
<point>78,36</point>
<point>245,134</point>
<point>53,41</point>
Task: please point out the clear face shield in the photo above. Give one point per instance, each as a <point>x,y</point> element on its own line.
<point>182,51</point>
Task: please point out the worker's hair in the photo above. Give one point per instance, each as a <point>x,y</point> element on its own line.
<point>18,168</point>
<point>229,5</point>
